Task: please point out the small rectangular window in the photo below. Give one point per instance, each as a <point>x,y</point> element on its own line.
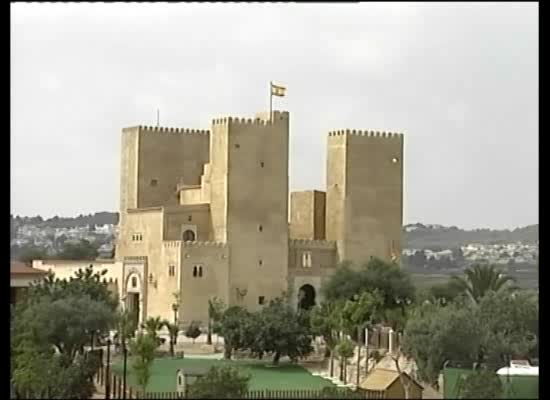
<point>306,259</point>
<point>197,271</point>
<point>172,270</point>
<point>154,182</point>
<point>261,300</point>
<point>261,164</point>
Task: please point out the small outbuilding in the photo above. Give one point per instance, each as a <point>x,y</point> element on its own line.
<point>386,382</point>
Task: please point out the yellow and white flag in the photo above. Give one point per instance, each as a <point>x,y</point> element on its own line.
<point>278,90</point>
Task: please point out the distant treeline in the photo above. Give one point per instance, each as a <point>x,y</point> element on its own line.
<point>99,218</point>
<point>441,238</point>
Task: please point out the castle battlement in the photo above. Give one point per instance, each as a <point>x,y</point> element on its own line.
<point>366,133</point>
<point>171,243</point>
<point>162,129</point>
<point>277,115</point>
<point>317,244</point>
<point>204,244</point>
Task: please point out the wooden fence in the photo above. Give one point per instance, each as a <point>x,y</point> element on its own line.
<point>115,389</point>
<point>275,394</point>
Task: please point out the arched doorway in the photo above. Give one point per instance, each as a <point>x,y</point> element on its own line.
<point>133,297</point>
<point>188,236</point>
<point>306,297</point>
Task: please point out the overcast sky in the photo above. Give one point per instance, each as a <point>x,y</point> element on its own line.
<point>459,80</point>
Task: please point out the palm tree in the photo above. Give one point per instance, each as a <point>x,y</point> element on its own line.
<point>152,325</point>
<point>126,328</point>
<point>481,279</point>
<point>173,330</point>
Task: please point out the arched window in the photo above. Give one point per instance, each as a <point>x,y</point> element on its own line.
<point>195,271</point>
<point>134,281</point>
<point>188,236</point>
<point>200,271</point>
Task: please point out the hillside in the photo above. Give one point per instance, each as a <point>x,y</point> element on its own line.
<point>419,236</point>
<point>415,236</point>
<point>99,218</point>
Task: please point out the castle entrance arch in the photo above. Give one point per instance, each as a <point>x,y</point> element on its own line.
<point>306,297</point>
<point>134,296</point>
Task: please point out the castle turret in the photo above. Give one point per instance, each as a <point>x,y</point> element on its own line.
<point>364,204</point>
<point>249,206</point>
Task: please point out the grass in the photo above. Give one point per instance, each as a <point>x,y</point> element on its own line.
<point>263,376</point>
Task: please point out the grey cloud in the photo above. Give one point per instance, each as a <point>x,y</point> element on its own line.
<point>460,79</point>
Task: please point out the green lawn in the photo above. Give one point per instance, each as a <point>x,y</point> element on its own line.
<point>263,376</point>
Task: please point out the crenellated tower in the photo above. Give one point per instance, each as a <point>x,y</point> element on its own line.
<point>249,203</point>
<point>154,160</point>
<point>364,202</point>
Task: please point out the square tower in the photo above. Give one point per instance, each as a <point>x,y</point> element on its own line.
<point>364,212</point>
<point>307,215</point>
<point>249,203</point>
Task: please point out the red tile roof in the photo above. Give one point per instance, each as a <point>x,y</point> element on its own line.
<point>17,267</point>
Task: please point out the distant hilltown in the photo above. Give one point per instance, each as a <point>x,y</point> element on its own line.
<point>425,246</point>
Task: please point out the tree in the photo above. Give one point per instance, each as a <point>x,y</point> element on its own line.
<point>509,326</point>
<point>481,279</point>
<point>345,350</point>
<point>65,323</point>
<point>173,331</point>
<point>215,310</point>
<point>393,283</point>
<point>86,282</point>
<point>281,331</point>
<point>26,254</point>
<point>436,334</point>
<point>193,331</point>
<point>84,250</point>
<point>60,315</point>
<point>220,383</point>
<point>231,327</point>
<point>481,384</point>
<point>501,327</point>
<point>152,325</point>
<point>143,349</point>
<point>444,292</point>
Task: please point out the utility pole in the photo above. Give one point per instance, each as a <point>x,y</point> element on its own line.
<point>107,371</point>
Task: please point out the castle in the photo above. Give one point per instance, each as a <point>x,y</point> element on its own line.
<point>206,214</point>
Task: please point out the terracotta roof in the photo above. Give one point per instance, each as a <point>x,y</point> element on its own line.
<point>17,267</point>
<point>381,379</point>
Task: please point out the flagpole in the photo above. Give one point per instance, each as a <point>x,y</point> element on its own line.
<point>270,101</point>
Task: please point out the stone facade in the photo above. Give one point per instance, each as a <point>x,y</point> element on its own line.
<point>206,214</point>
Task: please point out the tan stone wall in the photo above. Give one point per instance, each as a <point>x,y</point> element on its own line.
<point>176,218</point>
<point>307,215</point>
<point>336,179</point>
<point>323,263</point>
<point>149,224</point>
<point>256,205</point>
<point>196,291</point>
<point>301,215</point>
<point>169,158</point>
<point>319,214</point>
<point>219,140</point>
<point>128,171</point>
<point>160,293</point>
<point>191,196</point>
<point>365,195</point>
